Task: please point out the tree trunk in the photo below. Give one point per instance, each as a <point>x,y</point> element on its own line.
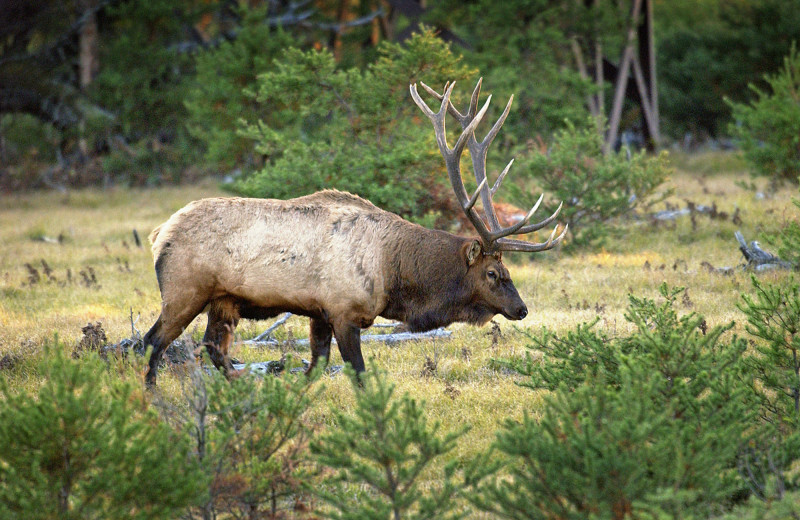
<point>88,59</point>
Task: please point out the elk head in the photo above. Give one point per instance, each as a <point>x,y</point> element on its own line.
<point>493,286</point>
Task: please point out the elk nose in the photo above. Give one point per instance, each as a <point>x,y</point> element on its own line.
<point>522,312</point>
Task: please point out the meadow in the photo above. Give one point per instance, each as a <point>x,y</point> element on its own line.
<point>68,259</point>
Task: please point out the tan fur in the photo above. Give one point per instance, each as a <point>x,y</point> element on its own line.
<point>303,253</point>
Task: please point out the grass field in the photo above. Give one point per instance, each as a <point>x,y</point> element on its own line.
<point>70,259</point>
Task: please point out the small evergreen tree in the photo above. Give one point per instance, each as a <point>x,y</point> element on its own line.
<point>85,445</point>
<point>648,422</point>
<point>249,437</point>
<point>353,130</point>
<point>789,239</point>
<point>595,188</point>
<point>384,444</point>
<point>767,128</point>
<point>773,316</point>
<point>217,97</point>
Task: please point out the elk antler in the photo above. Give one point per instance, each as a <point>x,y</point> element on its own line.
<point>493,237</point>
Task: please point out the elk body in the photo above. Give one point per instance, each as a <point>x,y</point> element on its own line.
<point>337,259</point>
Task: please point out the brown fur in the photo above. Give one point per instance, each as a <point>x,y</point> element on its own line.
<point>331,256</point>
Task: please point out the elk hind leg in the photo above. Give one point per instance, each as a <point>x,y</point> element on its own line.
<point>223,316</point>
<point>165,330</point>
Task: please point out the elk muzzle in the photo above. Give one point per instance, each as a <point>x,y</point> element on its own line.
<point>516,311</point>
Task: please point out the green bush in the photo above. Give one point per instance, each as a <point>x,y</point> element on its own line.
<point>250,437</point>
<point>789,239</point>
<point>648,422</point>
<point>595,188</point>
<point>85,445</point>
<point>353,130</point>
<point>788,507</point>
<point>217,96</point>
<point>767,127</point>
<point>384,444</point>
<point>773,316</point>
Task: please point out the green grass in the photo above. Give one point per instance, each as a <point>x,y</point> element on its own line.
<point>561,289</point>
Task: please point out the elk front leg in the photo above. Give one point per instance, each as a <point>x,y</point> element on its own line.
<point>348,337</point>
<point>321,332</point>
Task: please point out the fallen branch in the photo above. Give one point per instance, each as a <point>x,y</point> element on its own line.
<point>276,367</point>
<point>759,259</point>
<point>389,339</point>
<point>266,336</point>
<point>266,339</point>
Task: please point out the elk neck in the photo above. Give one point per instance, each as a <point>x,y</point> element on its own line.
<point>427,282</point>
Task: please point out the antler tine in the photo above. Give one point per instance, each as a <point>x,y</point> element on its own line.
<point>493,236</point>
<point>450,108</point>
<point>520,228</point>
<point>501,177</point>
<point>452,156</point>
<point>543,223</point>
<point>506,244</point>
<point>437,118</point>
<point>519,225</point>
<point>473,100</point>
<point>464,119</point>
<point>475,195</point>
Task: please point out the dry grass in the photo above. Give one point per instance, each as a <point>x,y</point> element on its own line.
<point>561,290</point>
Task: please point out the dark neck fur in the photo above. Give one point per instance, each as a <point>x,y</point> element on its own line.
<point>428,285</point>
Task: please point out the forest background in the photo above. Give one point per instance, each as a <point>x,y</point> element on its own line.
<point>106,92</point>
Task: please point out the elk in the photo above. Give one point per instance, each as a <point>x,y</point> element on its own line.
<point>339,260</point>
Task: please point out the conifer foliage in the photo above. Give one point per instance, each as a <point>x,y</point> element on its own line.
<point>649,422</point>
<point>85,445</point>
<point>249,436</point>
<point>383,446</point>
<point>773,315</point>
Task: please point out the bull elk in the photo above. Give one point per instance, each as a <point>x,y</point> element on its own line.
<point>339,260</point>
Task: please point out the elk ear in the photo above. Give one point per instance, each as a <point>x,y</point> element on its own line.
<point>474,250</point>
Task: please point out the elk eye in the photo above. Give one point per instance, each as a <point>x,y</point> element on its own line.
<point>492,275</point>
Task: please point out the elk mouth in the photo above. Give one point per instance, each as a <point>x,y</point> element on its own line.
<point>515,314</point>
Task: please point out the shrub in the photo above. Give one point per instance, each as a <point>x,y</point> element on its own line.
<point>651,422</point>
<point>767,127</point>
<point>353,130</point>
<point>773,316</point>
<point>249,435</point>
<point>788,239</point>
<point>756,509</point>
<point>85,445</point>
<point>217,96</point>
<point>384,444</point>
<point>595,188</point>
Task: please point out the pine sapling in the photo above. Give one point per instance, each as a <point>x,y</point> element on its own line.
<point>85,445</point>
<point>382,447</point>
